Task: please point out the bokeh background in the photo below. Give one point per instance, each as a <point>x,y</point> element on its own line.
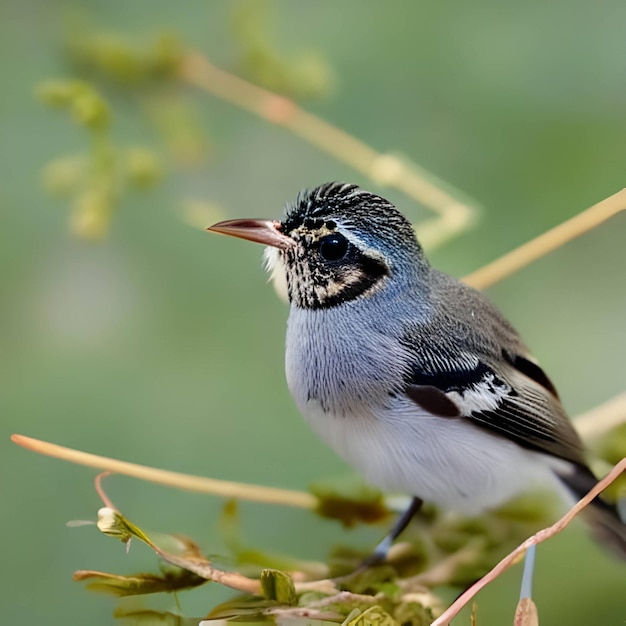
<point>163,345</point>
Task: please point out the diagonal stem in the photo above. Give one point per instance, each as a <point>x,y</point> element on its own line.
<point>455,214</point>
<point>542,535</point>
<point>549,241</point>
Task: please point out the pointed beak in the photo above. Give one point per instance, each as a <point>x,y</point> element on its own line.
<point>262,231</point>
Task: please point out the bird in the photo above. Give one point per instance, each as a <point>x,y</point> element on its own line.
<point>411,376</point>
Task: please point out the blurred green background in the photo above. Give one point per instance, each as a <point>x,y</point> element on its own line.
<point>163,345</point>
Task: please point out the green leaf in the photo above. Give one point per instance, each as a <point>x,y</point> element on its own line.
<point>413,614</point>
<point>174,579</point>
<point>278,586</point>
<point>249,607</point>
<point>136,617</point>
<point>349,501</point>
<point>370,617</point>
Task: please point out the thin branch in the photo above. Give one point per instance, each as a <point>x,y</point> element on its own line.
<point>204,569</point>
<point>594,423</point>
<point>111,522</point>
<point>602,418</point>
<point>547,242</point>
<point>542,535</point>
<point>229,489</point>
<point>100,489</point>
<point>455,215</point>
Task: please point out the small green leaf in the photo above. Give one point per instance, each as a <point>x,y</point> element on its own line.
<point>139,584</point>
<point>278,586</point>
<point>123,61</point>
<point>349,501</point>
<point>374,616</point>
<point>299,74</point>
<point>243,606</point>
<point>413,614</point>
<point>137,617</point>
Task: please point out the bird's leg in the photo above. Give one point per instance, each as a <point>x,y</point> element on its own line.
<point>382,549</point>
<point>527,576</point>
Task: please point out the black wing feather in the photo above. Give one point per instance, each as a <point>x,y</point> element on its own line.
<point>530,369</point>
<point>528,410</point>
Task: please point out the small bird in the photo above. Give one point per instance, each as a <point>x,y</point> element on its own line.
<point>412,377</point>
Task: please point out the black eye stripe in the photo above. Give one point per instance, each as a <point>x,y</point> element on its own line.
<point>333,247</point>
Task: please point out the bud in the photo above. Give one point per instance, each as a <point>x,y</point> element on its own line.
<point>111,523</point>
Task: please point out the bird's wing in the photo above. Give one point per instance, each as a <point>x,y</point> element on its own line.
<point>513,398</point>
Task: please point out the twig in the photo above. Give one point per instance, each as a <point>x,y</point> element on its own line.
<point>602,418</point>
<point>547,242</point>
<point>542,535</point>
<point>100,489</point>
<point>591,424</point>
<point>204,569</point>
<point>111,522</point>
<point>229,489</point>
<point>455,215</point>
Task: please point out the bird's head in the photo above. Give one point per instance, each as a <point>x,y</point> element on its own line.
<point>337,243</point>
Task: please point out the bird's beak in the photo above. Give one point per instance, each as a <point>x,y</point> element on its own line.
<point>262,231</point>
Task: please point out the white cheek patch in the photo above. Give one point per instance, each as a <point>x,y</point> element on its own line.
<point>278,275</point>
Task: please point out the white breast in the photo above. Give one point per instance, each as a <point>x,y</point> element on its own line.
<point>446,461</point>
<point>342,389</point>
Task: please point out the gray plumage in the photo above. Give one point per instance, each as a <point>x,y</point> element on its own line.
<point>412,377</point>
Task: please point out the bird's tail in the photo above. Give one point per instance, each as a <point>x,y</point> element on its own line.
<point>603,518</point>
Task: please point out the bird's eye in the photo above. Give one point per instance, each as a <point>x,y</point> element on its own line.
<point>333,247</point>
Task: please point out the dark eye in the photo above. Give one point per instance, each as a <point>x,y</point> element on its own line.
<point>333,247</point>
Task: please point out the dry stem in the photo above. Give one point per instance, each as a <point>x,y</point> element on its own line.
<point>229,489</point>
<point>455,216</point>
<point>203,568</point>
<point>547,242</point>
<point>591,424</point>
<point>602,418</point>
<point>542,535</point>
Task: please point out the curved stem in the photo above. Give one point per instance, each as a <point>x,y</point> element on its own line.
<point>455,214</point>
<point>228,489</point>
